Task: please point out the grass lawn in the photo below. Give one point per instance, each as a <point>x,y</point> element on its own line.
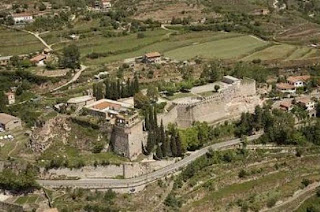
<point>180,95</point>
<point>29,199</point>
<point>16,42</point>
<point>223,48</point>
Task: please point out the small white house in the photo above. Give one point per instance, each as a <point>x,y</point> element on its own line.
<point>20,18</point>
<point>298,81</point>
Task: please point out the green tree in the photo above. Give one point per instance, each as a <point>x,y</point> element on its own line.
<point>153,93</point>
<point>150,142</point>
<point>71,57</point>
<point>159,152</point>
<point>140,100</point>
<point>216,88</point>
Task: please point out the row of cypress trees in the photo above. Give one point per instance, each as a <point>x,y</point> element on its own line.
<point>164,143</point>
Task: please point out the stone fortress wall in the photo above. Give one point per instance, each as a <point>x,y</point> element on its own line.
<point>235,99</point>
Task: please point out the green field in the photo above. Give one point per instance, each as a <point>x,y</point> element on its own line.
<point>162,44</point>
<point>16,43</point>
<point>223,49</point>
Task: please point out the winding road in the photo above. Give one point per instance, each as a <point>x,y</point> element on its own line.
<point>143,179</point>
<point>74,78</point>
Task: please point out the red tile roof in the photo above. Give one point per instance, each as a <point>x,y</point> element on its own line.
<point>294,79</point>
<point>153,54</point>
<point>38,58</point>
<point>284,86</point>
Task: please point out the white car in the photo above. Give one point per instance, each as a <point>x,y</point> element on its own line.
<point>1,129</point>
<point>1,137</point>
<point>10,137</point>
<point>5,137</point>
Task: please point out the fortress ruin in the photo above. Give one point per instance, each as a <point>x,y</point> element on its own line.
<point>234,97</point>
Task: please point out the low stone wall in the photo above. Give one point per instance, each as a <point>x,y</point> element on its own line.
<point>8,207</point>
<point>136,169</point>
<point>126,170</point>
<point>110,171</point>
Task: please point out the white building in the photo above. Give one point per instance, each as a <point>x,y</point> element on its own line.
<point>307,102</point>
<point>20,18</point>
<point>298,81</point>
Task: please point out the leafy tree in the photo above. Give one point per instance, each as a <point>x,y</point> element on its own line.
<point>153,93</point>
<point>71,57</point>
<point>140,100</point>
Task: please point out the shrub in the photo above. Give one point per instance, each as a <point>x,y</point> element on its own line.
<point>305,182</point>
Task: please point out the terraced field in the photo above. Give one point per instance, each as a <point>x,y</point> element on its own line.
<point>16,42</point>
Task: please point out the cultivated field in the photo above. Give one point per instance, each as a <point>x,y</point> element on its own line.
<point>223,48</point>
<point>16,43</point>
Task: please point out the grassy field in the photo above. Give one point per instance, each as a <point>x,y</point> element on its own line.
<point>224,48</point>
<point>16,43</point>
<point>166,44</point>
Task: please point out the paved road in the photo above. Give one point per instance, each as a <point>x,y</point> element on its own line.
<point>74,78</point>
<point>140,180</point>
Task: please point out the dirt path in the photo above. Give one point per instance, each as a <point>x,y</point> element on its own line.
<point>74,78</point>
<point>39,38</point>
<point>298,194</point>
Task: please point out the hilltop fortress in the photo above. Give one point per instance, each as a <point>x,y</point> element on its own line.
<point>234,97</point>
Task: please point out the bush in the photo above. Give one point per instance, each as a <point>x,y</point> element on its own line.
<point>172,201</point>
<point>243,173</point>
<point>140,35</point>
<point>306,182</point>
<point>271,202</point>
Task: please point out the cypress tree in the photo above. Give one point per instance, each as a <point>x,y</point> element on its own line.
<point>114,91</point>
<point>128,88</point>
<point>118,89</point>
<point>151,119</point>
<point>162,133</point>
<point>107,84</point>
<point>165,147</point>
<point>159,152</point>
<point>173,146</point>
<point>147,120</point>
<point>150,142</point>
<point>155,117</point>
<point>179,145</point>
<point>136,85</point>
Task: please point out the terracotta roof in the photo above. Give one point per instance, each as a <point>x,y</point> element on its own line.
<point>294,79</point>
<point>16,15</point>
<point>5,118</point>
<point>38,58</point>
<point>9,93</point>
<point>304,100</point>
<point>153,54</point>
<point>104,105</point>
<point>284,86</point>
<point>286,104</point>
